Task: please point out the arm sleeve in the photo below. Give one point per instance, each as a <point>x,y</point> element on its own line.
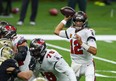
<point>62,34</point>
<point>22,52</point>
<point>90,34</point>
<point>68,33</point>
<point>62,67</point>
<point>92,42</point>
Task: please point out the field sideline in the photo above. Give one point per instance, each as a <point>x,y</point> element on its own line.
<point>106,38</point>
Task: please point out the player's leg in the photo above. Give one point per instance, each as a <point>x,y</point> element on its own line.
<point>24,7</point>
<point>34,9</point>
<point>1,7</point>
<point>8,8</point>
<point>90,72</point>
<point>77,69</point>
<point>82,5</point>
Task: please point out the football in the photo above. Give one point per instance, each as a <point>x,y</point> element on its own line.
<point>53,12</point>
<point>15,10</point>
<point>67,11</point>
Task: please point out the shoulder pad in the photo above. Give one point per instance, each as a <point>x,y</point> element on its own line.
<point>53,56</point>
<point>21,41</point>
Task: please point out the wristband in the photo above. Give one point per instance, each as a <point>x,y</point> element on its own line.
<point>64,22</point>
<point>85,46</point>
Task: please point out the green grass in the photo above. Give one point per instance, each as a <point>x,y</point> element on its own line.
<point>99,19</point>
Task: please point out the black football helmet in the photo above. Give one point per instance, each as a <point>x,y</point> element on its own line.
<point>9,31</point>
<point>80,16</point>
<point>37,47</point>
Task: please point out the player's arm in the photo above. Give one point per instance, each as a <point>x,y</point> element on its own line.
<point>25,74</point>
<point>61,25</point>
<point>20,74</point>
<point>93,47</point>
<point>90,47</point>
<point>62,67</point>
<point>60,64</point>
<point>22,50</point>
<point>15,71</point>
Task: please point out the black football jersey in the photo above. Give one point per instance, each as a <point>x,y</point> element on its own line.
<point>4,76</point>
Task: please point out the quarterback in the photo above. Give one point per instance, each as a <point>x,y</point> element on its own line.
<point>82,45</point>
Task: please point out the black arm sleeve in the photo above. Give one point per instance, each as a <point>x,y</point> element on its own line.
<point>32,64</point>
<point>22,52</point>
<point>15,72</point>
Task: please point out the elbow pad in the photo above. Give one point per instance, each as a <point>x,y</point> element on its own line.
<point>22,52</point>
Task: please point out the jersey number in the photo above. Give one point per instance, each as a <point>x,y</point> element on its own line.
<point>75,47</point>
<point>49,54</point>
<point>50,76</point>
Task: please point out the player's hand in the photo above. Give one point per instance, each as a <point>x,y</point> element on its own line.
<point>10,69</point>
<point>67,18</point>
<point>76,36</point>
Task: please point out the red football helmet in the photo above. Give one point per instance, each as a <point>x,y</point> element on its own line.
<point>37,47</point>
<point>8,31</point>
<point>80,16</point>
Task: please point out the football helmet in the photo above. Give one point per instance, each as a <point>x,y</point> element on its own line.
<point>80,16</point>
<point>6,52</point>
<point>37,47</point>
<point>40,79</point>
<point>2,24</point>
<point>5,42</point>
<point>9,31</point>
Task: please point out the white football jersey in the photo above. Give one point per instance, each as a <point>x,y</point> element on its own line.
<point>54,67</point>
<point>25,64</point>
<point>78,54</point>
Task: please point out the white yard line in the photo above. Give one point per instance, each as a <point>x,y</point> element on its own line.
<point>105,76</point>
<point>54,37</point>
<point>106,71</point>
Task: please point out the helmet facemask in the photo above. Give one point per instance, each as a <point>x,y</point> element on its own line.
<point>2,25</point>
<point>37,48</point>
<point>79,20</point>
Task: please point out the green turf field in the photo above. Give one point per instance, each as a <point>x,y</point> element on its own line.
<point>99,19</point>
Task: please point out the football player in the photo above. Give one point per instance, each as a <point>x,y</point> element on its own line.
<point>82,45</point>
<point>50,63</point>
<point>20,46</point>
<point>9,68</point>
